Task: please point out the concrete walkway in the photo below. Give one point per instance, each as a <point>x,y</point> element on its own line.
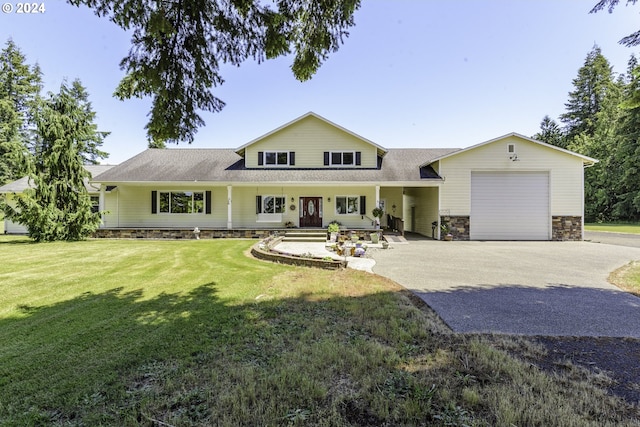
<point>528,288</point>
<point>319,249</point>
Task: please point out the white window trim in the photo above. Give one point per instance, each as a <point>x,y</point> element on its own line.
<point>331,153</point>
<point>204,200</point>
<point>357,212</point>
<point>284,204</point>
<point>275,165</point>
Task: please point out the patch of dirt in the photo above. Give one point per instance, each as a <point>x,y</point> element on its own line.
<point>617,358</point>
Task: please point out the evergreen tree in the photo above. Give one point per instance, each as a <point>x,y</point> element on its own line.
<point>594,81</point>
<point>58,207</point>
<point>627,155</point>
<point>20,87</point>
<point>551,133</point>
<point>591,128</point>
<point>179,48</point>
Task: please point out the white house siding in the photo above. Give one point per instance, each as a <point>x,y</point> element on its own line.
<point>565,174</point>
<point>423,204</point>
<point>130,206</point>
<point>309,138</point>
<point>12,227</point>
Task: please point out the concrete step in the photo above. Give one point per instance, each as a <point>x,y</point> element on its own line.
<point>320,239</point>
<point>306,233</point>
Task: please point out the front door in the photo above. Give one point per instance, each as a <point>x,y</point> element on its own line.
<point>310,211</point>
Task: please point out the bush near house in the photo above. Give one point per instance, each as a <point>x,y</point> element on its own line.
<point>120,332</point>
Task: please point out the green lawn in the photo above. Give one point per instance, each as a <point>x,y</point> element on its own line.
<point>193,333</point>
<point>614,227</point>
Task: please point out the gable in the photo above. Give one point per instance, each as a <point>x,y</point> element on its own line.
<point>311,139</point>
<point>495,153</point>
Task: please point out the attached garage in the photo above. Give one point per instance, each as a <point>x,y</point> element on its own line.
<point>510,206</point>
<point>512,188</point>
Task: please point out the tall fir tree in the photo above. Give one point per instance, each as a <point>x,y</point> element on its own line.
<point>594,81</point>
<point>551,132</point>
<point>20,86</point>
<point>58,206</point>
<point>627,155</point>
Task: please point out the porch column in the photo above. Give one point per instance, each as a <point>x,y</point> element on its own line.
<point>377,196</point>
<point>101,206</point>
<point>229,208</point>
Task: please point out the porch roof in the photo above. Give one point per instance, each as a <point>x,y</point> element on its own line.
<point>225,165</point>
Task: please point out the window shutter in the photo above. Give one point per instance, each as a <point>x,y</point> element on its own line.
<point>292,158</point>
<point>326,158</point>
<point>363,205</point>
<point>207,202</point>
<point>154,202</point>
<point>260,158</point>
<point>358,158</point>
<point>258,204</point>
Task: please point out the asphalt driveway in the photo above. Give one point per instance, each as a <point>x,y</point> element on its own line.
<point>527,288</point>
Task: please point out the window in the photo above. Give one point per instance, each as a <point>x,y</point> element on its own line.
<point>178,202</point>
<point>345,158</point>
<point>348,205</point>
<point>342,158</point>
<point>276,158</point>
<point>270,204</point>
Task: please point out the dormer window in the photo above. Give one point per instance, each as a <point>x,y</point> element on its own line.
<point>342,158</point>
<point>276,158</point>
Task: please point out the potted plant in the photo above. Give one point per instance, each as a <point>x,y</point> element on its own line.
<point>377,213</point>
<point>446,231</point>
<point>333,228</point>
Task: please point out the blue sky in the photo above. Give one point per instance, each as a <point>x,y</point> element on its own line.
<point>412,73</point>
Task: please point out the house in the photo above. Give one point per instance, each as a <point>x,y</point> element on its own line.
<point>12,189</point>
<point>310,172</point>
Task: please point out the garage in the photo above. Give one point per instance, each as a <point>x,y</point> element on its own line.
<point>510,206</point>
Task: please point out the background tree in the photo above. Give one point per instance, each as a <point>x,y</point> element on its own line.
<point>551,132</point>
<point>179,46</point>
<point>592,126</point>
<point>58,206</point>
<point>20,86</point>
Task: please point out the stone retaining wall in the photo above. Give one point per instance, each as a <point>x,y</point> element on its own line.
<point>176,233</point>
<point>565,228</point>
<point>264,250</point>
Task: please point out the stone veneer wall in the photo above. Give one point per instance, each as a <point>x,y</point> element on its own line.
<point>176,233</point>
<point>459,226</point>
<point>566,228</point>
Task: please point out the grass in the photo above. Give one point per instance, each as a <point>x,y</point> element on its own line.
<point>181,333</point>
<point>627,277</point>
<point>614,227</point>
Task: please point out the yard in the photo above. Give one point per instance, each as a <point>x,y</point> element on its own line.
<point>178,333</point>
<point>614,227</point>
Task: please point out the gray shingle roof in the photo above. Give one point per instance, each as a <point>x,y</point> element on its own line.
<point>23,183</point>
<point>225,165</point>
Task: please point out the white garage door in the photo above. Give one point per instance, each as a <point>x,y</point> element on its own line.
<point>510,206</point>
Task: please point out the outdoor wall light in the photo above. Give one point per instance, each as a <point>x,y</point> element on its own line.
<point>328,199</point>
<point>292,200</point>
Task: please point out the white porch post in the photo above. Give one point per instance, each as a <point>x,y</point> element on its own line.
<point>229,207</point>
<point>377,220</point>
<point>101,206</point>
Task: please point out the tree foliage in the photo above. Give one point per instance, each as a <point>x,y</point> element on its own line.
<point>20,85</point>
<point>630,40</point>
<point>178,48</point>
<point>58,206</point>
<point>600,123</point>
